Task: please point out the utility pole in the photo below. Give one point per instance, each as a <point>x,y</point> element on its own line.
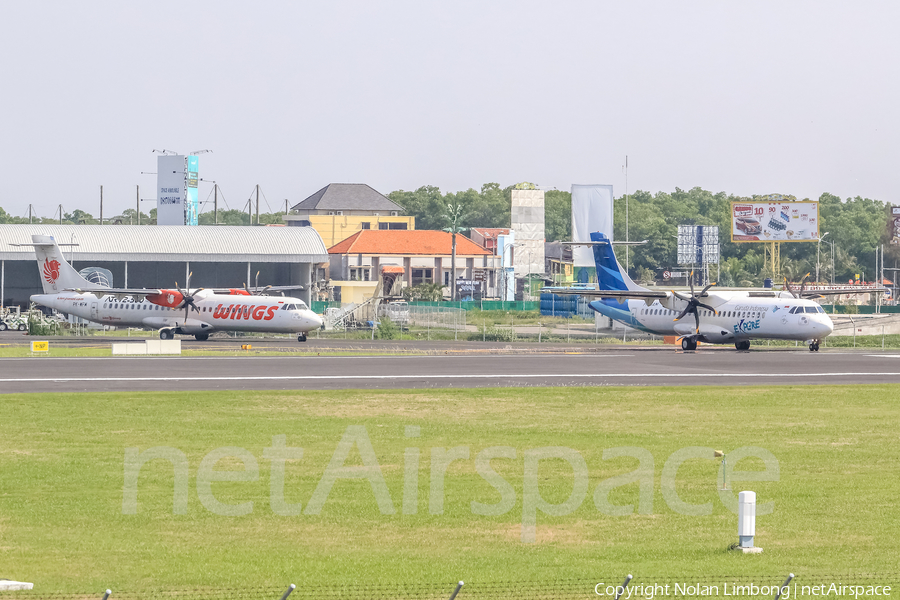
<point>216,201</point>
<point>138,200</point>
<point>60,214</point>
<point>257,205</point>
<point>626,213</point>
<point>285,206</point>
<point>30,214</point>
<point>101,205</point>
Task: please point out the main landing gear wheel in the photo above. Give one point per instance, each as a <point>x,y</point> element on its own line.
<point>2,326</point>
<point>166,334</point>
<point>301,337</point>
<point>688,344</point>
<point>814,346</point>
<point>743,345</point>
<point>201,337</point>
<point>22,326</point>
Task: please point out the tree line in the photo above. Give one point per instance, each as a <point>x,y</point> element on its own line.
<point>856,226</point>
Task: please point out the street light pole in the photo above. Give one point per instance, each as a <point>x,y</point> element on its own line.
<point>818,247</point>
<point>833,268</point>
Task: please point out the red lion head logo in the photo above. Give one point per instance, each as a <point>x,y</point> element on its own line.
<point>51,270</point>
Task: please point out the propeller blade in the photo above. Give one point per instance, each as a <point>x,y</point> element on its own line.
<point>803,283</point>
<point>697,319</point>
<point>680,297</point>
<point>257,280</point>
<point>708,307</point>
<point>686,310</point>
<point>703,293</point>
<point>247,289</point>
<point>691,281</point>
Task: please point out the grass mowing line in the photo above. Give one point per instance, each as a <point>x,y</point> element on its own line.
<point>62,488</point>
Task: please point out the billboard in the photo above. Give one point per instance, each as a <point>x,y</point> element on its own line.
<point>698,244</point>
<point>191,201</point>
<point>176,192</point>
<point>170,190</point>
<point>592,210</point>
<point>774,221</point>
<point>895,225</point>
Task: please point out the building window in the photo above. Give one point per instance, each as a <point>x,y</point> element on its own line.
<point>360,273</point>
<point>420,276</point>
<point>392,226</point>
<point>365,225</point>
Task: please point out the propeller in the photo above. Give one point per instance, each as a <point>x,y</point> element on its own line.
<point>188,298</point>
<point>693,302</point>
<point>796,294</point>
<point>259,292</point>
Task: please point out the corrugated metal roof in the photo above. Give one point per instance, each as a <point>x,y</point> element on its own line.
<point>172,243</point>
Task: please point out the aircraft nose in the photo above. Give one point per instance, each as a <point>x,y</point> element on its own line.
<point>829,326</point>
<point>316,320</point>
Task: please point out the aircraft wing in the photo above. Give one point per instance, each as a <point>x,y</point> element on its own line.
<point>820,293</point>
<point>259,290</point>
<point>104,291</point>
<point>625,294</point>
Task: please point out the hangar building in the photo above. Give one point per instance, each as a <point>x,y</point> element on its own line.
<point>155,256</point>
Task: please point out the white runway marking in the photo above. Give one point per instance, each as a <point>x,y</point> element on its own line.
<point>455,376</point>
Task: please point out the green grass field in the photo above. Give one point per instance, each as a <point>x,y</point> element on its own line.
<point>62,484</point>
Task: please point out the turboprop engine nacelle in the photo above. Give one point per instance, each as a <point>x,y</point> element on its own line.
<point>715,334</point>
<point>167,298</point>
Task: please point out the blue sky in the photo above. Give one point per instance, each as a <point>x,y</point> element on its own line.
<point>764,97</point>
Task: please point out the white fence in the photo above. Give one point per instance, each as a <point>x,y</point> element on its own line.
<point>437,317</point>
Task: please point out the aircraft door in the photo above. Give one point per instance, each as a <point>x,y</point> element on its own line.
<point>94,310</point>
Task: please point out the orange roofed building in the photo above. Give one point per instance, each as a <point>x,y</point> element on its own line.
<point>413,256</point>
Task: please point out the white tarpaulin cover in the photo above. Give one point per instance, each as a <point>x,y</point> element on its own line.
<point>592,210</point>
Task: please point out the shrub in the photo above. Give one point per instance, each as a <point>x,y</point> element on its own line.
<point>386,330</point>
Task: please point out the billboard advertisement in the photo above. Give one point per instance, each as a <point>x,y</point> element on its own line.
<point>774,221</point>
<point>895,225</point>
<point>170,190</point>
<point>192,202</point>
<point>592,210</point>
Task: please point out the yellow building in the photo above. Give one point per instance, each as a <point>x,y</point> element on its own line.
<point>339,210</point>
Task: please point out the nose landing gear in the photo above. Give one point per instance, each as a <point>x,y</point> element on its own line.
<point>742,345</point>
<point>814,346</point>
<point>301,337</point>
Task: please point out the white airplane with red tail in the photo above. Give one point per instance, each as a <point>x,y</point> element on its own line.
<point>66,291</point>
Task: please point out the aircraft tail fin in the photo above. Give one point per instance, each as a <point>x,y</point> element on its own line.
<point>610,274</point>
<point>56,274</point>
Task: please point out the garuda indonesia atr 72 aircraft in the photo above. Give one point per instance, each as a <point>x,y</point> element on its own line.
<point>214,310</point>
<point>720,317</point>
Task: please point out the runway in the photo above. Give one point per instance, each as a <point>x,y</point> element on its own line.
<point>621,366</point>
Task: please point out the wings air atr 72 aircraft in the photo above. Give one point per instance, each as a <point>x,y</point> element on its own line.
<point>213,310</point>
<point>719,317</point>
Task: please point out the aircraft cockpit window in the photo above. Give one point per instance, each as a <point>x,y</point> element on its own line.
<point>794,310</point>
<point>301,306</point>
<point>811,309</point>
<point>820,309</point>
